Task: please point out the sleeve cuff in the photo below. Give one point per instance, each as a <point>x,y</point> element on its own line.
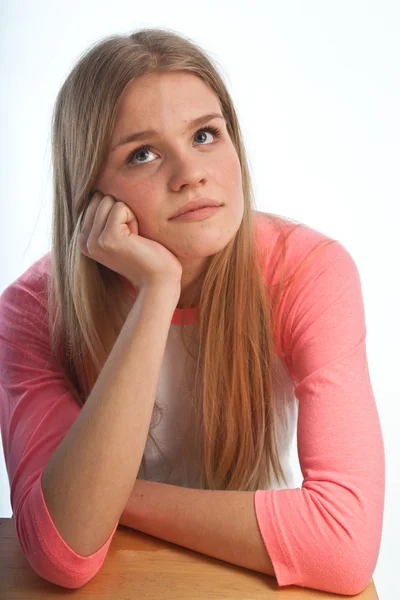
<point>48,553</point>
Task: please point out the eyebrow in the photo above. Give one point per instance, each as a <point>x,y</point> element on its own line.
<point>140,135</point>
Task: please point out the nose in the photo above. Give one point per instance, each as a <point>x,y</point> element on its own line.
<point>188,170</point>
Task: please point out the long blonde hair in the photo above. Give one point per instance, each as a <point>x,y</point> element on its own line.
<point>233,389</point>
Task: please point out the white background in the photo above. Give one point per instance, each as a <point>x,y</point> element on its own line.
<point>317,88</point>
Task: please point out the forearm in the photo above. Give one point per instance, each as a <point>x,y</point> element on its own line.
<point>221,524</point>
<point>89,477</point>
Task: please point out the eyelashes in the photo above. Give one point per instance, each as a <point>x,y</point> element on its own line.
<point>211,129</point>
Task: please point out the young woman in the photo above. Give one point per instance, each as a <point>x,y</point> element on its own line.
<point>154,368</point>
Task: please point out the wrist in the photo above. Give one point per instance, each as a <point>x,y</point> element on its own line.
<point>166,291</point>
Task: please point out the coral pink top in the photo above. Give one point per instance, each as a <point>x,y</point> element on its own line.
<point>322,533</point>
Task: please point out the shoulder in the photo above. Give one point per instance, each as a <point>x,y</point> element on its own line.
<point>284,243</point>
<point>28,290</point>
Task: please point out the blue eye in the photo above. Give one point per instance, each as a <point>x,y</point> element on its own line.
<point>214,130</point>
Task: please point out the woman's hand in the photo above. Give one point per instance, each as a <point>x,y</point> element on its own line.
<point>110,236</point>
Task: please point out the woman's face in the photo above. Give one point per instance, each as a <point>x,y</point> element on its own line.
<point>181,162</point>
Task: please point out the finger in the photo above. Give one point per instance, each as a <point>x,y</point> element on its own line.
<point>88,216</point>
<point>100,218</point>
<point>120,214</point>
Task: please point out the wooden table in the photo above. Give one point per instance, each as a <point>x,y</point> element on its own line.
<point>141,566</point>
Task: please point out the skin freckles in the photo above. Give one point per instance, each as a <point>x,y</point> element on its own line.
<point>176,167</point>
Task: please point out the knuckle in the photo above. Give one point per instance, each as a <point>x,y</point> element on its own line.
<point>107,241</point>
<point>91,246</point>
<point>107,200</point>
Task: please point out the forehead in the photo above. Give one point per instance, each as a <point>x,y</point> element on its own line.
<point>154,97</point>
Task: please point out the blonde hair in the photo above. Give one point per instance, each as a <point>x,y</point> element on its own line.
<point>233,390</point>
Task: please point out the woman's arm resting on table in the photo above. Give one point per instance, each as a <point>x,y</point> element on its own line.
<point>221,524</point>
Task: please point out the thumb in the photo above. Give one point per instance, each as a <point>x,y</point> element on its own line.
<point>132,221</point>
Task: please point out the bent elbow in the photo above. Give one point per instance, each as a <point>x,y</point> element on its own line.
<point>352,583</point>
<point>63,578</point>
<point>60,576</point>
<point>347,554</point>
<point>351,571</point>
<point>359,572</point>
<point>61,565</point>
<point>47,567</point>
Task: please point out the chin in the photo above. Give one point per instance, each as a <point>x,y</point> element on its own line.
<point>201,248</point>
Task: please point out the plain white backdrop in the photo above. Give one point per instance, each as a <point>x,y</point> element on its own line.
<point>317,90</point>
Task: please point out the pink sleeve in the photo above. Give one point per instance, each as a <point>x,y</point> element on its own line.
<point>327,534</point>
<point>37,408</point>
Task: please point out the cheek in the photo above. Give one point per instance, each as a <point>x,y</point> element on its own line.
<point>143,199</point>
<point>140,197</point>
<point>229,174</point>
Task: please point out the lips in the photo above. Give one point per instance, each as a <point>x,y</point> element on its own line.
<point>195,205</point>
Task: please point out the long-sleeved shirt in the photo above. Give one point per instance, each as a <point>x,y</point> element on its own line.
<point>324,529</point>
